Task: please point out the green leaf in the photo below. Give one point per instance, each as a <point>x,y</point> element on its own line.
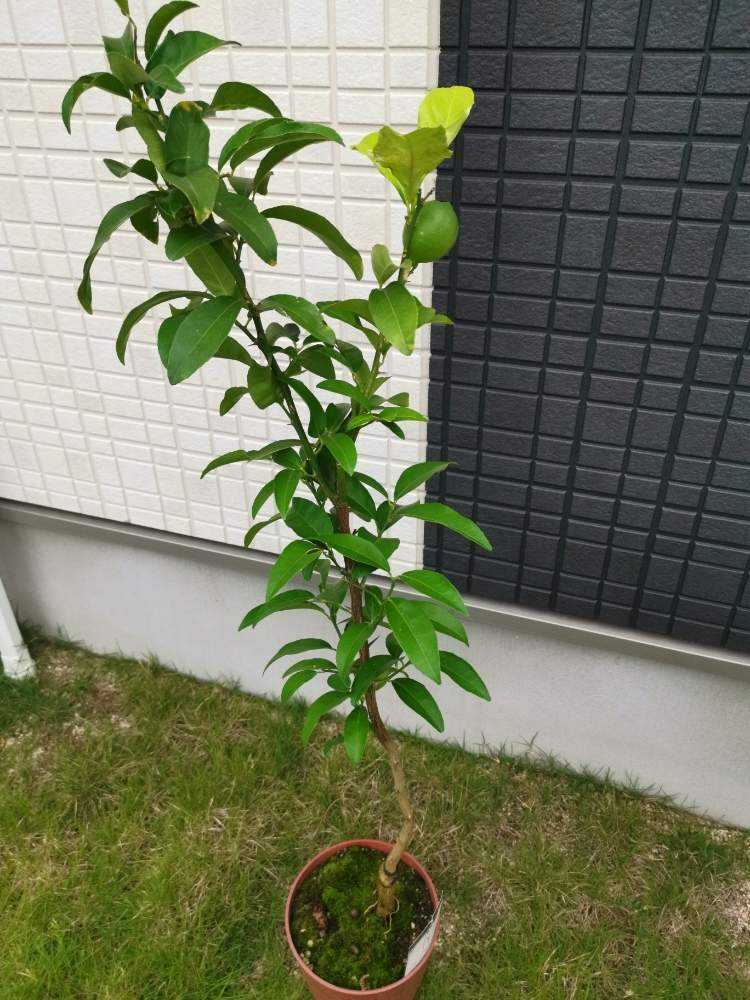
<point>252,226</point>
<point>419,700</point>
<point>373,484</point>
<point>326,703</point>
<point>352,639</point>
<point>249,456</point>
<point>368,673</point>
<point>256,528</point>
<point>439,513</point>
<point>261,383</point>
<point>145,124</point>
<point>295,682</point>
<point>186,140</point>
<point>298,646</point>
<point>166,335</point>
<point>263,494</point>
<point>317,416</point>
<point>274,156</point>
<point>462,673</point>
<point>123,7</point>
<point>342,388</point>
<point>123,44</point>
<point>216,268</point>
<point>443,621</point>
<point>448,107</point>
<point>231,398</point>
<point>200,188</point>
<point>228,458</point>
<point>317,360</point>
<point>338,683</point>
<point>178,50</point>
<point>307,520</point>
<point>103,81</point>
<point>344,451</point>
<point>235,96</point>
<point>415,475</point>
<point>392,414</point>
<point>323,229</point>
<point>292,560</point>
<point>185,240</point>
<point>359,550</point>
<point>112,221</point>
<point>290,600</point>
<point>138,312</point>
<point>415,634</point>
<point>257,136</point>
<point>127,70</point>
<point>406,159</point>
<point>350,311</point>
<point>436,586</point>
<point>142,168</point>
<point>429,315</point>
<point>232,351</point>
<point>146,223</point>
<point>301,312</point>
<point>356,730</point>
<point>366,146</point>
<point>285,486</point>
<point>200,335</point>
<point>360,500</point>
<point>318,663</point>
<point>382,265</point>
<point>162,76</point>
<point>163,16</point>
<point>394,312</point>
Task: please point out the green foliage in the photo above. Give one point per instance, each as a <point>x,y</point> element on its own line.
<point>103,81</point>
<point>297,361</point>
<point>200,335</point>
<point>163,16</point>
<point>323,229</point>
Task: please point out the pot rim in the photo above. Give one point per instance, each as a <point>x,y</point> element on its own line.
<point>378,845</point>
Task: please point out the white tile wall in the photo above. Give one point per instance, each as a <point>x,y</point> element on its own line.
<point>79,431</point>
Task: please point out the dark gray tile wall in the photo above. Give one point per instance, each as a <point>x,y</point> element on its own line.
<point>594,394</point>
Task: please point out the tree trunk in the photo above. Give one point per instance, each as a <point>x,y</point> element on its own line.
<point>387,874</point>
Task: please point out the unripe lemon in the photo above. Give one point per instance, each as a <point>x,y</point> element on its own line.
<point>435,231</point>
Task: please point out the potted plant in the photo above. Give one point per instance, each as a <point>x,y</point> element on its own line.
<point>355,909</point>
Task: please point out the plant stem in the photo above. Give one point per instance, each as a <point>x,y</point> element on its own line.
<point>386,903</point>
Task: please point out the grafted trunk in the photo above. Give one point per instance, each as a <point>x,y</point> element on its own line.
<point>386,903</point>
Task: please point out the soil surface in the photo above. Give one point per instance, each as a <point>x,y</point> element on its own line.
<point>337,932</point>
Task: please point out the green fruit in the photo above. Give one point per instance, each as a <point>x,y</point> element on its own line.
<point>435,231</point>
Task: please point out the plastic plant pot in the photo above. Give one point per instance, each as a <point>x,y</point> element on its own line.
<point>405,988</point>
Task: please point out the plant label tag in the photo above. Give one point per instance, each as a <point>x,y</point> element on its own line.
<point>421,946</point>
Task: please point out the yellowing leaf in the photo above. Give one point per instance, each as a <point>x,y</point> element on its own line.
<point>448,107</point>
<point>406,159</point>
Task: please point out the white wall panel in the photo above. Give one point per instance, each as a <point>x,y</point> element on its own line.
<point>80,432</point>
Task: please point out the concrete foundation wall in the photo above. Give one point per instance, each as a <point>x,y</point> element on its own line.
<point>668,715</point>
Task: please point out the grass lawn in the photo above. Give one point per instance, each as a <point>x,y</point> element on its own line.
<point>150,826</point>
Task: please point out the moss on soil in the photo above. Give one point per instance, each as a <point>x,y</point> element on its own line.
<point>337,932</point>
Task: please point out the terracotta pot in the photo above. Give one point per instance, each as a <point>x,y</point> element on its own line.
<point>404,989</point>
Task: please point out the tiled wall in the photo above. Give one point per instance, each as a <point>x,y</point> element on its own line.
<point>595,395</point>
<point>77,430</point>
